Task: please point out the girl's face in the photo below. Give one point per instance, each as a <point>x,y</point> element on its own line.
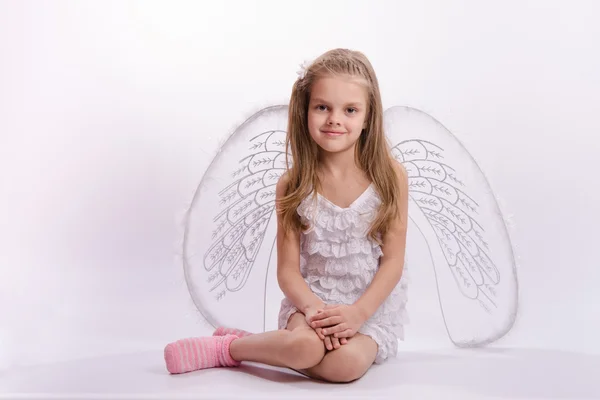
<point>337,113</point>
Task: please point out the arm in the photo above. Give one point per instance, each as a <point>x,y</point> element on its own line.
<point>394,249</point>
<point>290,280</point>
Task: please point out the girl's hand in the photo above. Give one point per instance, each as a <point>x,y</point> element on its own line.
<point>331,342</point>
<point>341,321</point>
<point>310,312</point>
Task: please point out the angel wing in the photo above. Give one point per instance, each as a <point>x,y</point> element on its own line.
<point>453,206</point>
<point>230,227</point>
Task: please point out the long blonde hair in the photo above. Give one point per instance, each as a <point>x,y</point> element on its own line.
<point>372,153</point>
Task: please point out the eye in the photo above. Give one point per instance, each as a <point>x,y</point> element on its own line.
<point>352,110</point>
<point>321,107</point>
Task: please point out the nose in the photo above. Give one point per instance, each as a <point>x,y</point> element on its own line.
<point>333,119</point>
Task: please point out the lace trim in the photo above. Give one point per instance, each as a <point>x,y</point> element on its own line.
<point>334,218</point>
<point>339,267</point>
<point>339,232</point>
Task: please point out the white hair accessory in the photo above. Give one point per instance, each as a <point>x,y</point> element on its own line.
<point>303,68</point>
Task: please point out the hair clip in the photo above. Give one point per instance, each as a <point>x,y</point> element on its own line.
<point>303,69</point>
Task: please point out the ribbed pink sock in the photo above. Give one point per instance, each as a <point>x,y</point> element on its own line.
<point>222,331</point>
<point>192,354</point>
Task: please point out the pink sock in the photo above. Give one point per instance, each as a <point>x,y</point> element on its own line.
<point>192,354</point>
<point>222,331</point>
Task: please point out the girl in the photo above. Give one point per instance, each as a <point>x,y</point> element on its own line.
<point>342,218</point>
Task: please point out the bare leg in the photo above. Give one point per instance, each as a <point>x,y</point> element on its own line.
<point>297,347</point>
<point>348,363</point>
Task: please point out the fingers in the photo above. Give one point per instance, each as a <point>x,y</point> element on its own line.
<point>335,329</point>
<point>319,332</point>
<point>327,321</point>
<point>332,343</point>
<point>346,333</point>
<point>322,315</point>
<point>335,342</point>
<point>328,344</point>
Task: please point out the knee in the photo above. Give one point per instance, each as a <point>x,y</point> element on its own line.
<point>304,350</point>
<point>345,371</point>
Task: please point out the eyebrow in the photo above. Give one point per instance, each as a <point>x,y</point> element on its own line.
<point>354,103</point>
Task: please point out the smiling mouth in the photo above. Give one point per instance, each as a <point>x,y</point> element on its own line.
<point>333,133</point>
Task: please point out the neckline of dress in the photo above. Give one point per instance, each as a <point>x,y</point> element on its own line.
<point>356,201</point>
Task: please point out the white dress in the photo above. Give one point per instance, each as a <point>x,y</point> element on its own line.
<point>338,262</point>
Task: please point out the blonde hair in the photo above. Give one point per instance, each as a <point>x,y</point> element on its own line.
<point>372,153</point>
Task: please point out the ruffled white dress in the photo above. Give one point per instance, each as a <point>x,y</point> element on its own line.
<point>338,262</point>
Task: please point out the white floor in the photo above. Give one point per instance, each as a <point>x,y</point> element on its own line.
<point>492,373</point>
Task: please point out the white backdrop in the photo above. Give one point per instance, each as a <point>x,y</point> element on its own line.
<point>110,112</point>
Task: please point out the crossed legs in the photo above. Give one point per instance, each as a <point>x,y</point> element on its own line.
<point>298,347</point>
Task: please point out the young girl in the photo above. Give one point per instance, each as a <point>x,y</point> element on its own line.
<point>342,218</point>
